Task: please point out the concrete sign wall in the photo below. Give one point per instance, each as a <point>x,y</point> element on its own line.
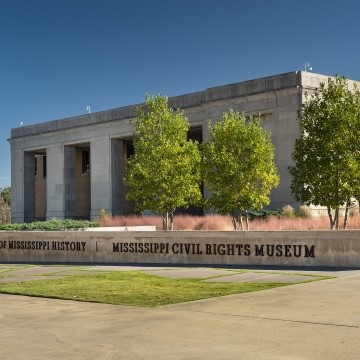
<point>277,248</point>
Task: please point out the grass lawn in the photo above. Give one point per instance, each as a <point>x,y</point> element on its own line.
<point>133,288</point>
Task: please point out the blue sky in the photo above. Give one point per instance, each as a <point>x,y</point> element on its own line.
<point>58,57</point>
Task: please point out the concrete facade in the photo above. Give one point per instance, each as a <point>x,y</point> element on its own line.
<point>106,135</point>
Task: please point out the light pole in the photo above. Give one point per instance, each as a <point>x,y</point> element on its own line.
<point>308,67</point>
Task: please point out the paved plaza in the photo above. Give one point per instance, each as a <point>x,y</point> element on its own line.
<point>313,320</point>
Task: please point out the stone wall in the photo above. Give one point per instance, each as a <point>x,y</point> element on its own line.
<point>218,248</point>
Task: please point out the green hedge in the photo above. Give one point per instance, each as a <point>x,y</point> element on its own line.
<point>50,225</point>
<point>264,214</point>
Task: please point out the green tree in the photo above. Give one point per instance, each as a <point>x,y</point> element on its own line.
<point>164,172</point>
<point>238,166</point>
<point>326,169</point>
<point>5,193</point>
<point>5,205</point>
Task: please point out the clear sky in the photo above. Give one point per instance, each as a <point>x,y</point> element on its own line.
<point>59,56</point>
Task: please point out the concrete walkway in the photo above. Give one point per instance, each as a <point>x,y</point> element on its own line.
<point>317,320</point>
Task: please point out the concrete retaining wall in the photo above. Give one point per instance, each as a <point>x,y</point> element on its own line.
<point>266,248</point>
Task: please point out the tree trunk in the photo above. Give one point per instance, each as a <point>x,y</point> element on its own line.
<point>336,218</point>
<point>165,219</point>
<point>171,221</point>
<point>233,220</point>
<point>332,221</point>
<point>241,222</point>
<point>237,221</point>
<point>348,203</point>
<point>168,220</point>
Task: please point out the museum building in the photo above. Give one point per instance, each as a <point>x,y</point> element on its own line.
<point>74,167</point>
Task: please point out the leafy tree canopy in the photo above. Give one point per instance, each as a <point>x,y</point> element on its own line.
<point>5,194</point>
<point>164,172</point>
<point>326,169</point>
<point>238,166</point>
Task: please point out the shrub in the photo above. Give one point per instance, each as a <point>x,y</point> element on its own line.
<point>264,214</point>
<point>186,222</point>
<point>213,222</point>
<point>353,211</point>
<point>50,225</point>
<point>181,222</point>
<point>286,223</point>
<point>354,222</point>
<point>305,211</point>
<point>218,222</point>
<point>132,220</point>
<point>5,212</point>
<point>288,211</point>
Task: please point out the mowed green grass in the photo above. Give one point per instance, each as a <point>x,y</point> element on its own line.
<point>134,288</point>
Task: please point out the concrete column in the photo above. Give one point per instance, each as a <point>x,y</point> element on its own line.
<point>70,183</point>
<point>55,182</point>
<point>117,175</point>
<point>17,193</point>
<point>101,194</point>
<point>29,186</point>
